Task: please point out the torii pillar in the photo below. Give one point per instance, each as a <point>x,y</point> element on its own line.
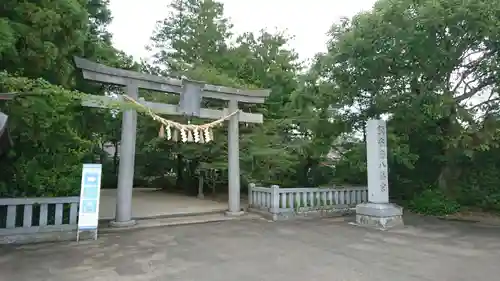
<point>123,214</point>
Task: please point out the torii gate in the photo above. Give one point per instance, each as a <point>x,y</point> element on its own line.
<point>191,93</point>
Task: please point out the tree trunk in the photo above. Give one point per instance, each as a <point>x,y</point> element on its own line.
<point>448,180</point>
<point>191,186</point>
<point>449,174</point>
<point>179,183</point>
<point>115,157</point>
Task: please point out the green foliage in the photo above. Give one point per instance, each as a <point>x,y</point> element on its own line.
<point>479,186</point>
<point>39,165</point>
<point>40,37</point>
<point>53,135</point>
<point>433,202</point>
<point>194,32</point>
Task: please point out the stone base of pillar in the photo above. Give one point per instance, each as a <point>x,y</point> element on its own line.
<point>121,224</point>
<point>379,215</point>
<point>234,214</point>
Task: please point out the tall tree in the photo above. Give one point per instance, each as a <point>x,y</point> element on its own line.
<point>41,38</point>
<point>431,65</point>
<point>195,32</point>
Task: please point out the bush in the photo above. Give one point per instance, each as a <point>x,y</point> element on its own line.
<point>433,202</point>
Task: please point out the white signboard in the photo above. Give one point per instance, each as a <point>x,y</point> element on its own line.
<point>88,215</point>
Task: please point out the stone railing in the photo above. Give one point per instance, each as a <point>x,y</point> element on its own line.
<point>285,202</point>
<point>37,219</point>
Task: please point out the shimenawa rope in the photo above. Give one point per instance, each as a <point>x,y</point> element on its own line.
<point>189,133</point>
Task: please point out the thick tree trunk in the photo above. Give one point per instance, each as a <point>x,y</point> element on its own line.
<point>449,174</point>
<point>448,180</point>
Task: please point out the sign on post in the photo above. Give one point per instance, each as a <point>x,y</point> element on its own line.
<point>88,215</point>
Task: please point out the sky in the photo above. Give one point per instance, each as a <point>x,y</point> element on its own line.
<point>307,20</point>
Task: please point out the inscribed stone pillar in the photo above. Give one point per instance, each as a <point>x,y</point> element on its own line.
<point>378,212</point>
<point>123,215</point>
<point>234,161</point>
<point>376,154</point>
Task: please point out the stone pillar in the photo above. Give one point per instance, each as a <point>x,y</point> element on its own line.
<point>378,212</point>
<point>200,186</point>
<point>123,215</point>
<point>234,161</point>
<point>275,201</point>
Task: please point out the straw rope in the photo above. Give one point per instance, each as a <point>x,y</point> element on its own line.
<point>189,132</point>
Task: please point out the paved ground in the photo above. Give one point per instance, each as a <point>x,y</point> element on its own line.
<point>258,250</point>
<point>148,202</point>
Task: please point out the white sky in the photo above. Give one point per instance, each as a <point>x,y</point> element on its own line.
<point>307,20</point>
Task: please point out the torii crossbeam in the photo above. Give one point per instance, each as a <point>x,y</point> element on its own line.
<point>191,93</point>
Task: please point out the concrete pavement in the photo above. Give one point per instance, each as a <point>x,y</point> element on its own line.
<point>251,250</point>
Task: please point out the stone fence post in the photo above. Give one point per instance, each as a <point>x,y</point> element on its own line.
<point>275,201</point>
<point>250,197</point>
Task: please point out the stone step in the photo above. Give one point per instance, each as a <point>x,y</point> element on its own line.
<point>177,220</point>
<point>106,221</point>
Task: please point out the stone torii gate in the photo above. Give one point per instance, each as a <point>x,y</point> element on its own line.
<point>191,94</point>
